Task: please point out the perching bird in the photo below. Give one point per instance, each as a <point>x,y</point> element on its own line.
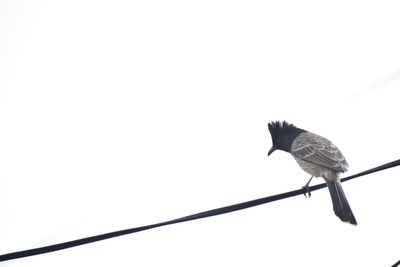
<point>317,156</point>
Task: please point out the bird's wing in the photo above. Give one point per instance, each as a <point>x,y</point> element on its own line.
<point>318,150</point>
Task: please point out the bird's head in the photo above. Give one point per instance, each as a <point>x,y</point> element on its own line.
<point>282,134</point>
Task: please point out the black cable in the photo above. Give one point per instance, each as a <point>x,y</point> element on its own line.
<point>396,264</point>
<point>210,213</point>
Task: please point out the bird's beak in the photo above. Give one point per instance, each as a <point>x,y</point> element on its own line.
<point>271,150</point>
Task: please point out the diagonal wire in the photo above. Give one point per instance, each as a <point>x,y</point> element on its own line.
<point>209,213</point>
<point>396,264</point>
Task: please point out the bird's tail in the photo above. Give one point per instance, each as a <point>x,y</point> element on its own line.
<point>340,204</point>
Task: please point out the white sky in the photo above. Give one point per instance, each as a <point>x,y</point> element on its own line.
<point>117,114</point>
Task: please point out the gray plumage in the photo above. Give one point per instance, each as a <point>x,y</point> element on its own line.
<point>317,150</point>
<point>317,156</point>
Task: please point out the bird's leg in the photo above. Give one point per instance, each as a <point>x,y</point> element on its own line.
<point>306,188</point>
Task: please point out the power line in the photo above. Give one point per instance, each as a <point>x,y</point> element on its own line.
<point>396,264</point>
<point>205,214</point>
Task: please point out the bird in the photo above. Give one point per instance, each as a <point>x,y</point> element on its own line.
<point>318,157</point>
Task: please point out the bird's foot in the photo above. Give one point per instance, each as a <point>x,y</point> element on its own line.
<point>306,189</point>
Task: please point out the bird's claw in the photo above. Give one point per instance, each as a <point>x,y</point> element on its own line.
<point>306,191</point>
<point>306,188</point>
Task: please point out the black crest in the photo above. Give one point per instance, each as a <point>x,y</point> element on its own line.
<point>283,134</point>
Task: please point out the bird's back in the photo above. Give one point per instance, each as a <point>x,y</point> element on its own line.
<point>315,149</point>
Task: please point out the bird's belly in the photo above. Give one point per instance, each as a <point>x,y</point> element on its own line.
<point>314,169</point>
